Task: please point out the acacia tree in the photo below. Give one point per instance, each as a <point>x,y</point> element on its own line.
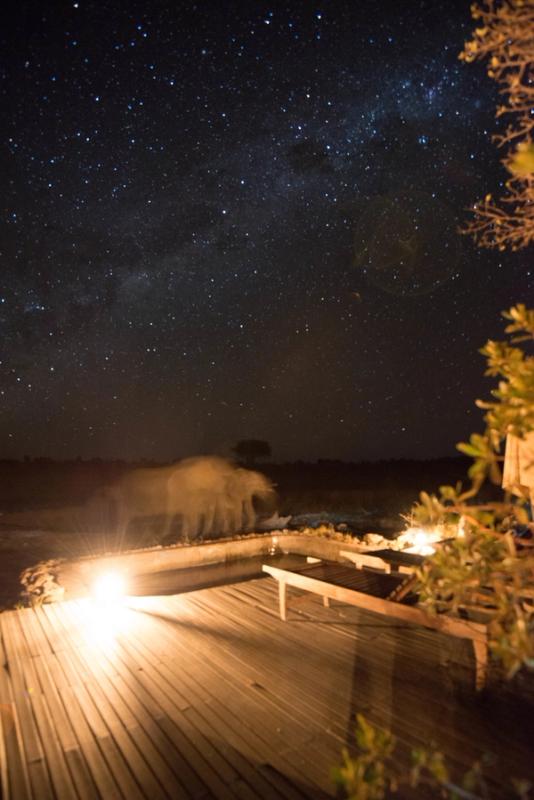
<point>486,568</point>
<point>505,39</point>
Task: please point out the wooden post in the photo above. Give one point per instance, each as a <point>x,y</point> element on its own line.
<point>481,663</point>
<point>326,601</point>
<point>282,597</point>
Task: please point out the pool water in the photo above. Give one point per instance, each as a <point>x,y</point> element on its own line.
<point>177,581</point>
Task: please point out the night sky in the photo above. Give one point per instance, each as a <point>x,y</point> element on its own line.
<point>239,220</point>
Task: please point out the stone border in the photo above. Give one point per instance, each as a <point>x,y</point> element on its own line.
<point>76,577</point>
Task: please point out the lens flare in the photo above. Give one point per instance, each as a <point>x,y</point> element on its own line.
<point>109,589</point>
<point>105,615</point>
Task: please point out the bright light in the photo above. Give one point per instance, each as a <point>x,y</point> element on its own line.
<point>109,589</point>
<point>421,544</point>
<point>418,540</point>
<point>102,624</point>
<point>105,615</point>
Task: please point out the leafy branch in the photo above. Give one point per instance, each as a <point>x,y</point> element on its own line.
<point>482,570</point>
<point>491,580</point>
<point>510,411</point>
<point>369,775</point>
<point>504,38</point>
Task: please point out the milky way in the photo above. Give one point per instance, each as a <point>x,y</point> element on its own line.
<point>231,221</point>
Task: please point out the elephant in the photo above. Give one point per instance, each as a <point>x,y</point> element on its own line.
<point>138,495</point>
<point>208,494</point>
<point>247,487</point>
<point>197,491</point>
<point>212,496</point>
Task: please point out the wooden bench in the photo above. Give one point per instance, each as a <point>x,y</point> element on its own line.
<point>386,594</point>
<point>384,560</point>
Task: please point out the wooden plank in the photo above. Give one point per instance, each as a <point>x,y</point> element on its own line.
<point>205,768</point>
<point>93,767</point>
<point>300,643</point>
<point>40,780</point>
<point>24,684</point>
<point>71,629</point>
<point>249,680</point>
<point>67,662</point>
<point>348,623</point>
<point>61,721</point>
<point>177,773</point>
<point>57,710</point>
<point>203,754</point>
<point>59,773</point>
<point>454,626</point>
<point>97,668</point>
<point>138,732</point>
<point>267,625</point>
<point>22,619</point>
<point>130,742</point>
<point>125,758</point>
<point>415,690</point>
<point>315,697</point>
<point>196,753</point>
<point>379,583</point>
<point>117,748</point>
<point>195,747</point>
<point>14,770</point>
<point>208,691</point>
<point>38,641</point>
<point>243,717</point>
<point>93,753</point>
<point>408,654</point>
<point>4,782</point>
<point>23,655</point>
<point>52,771</point>
<point>12,641</point>
<point>307,701</point>
<point>272,648</point>
<point>56,641</point>
<point>239,673</point>
<point>3,657</point>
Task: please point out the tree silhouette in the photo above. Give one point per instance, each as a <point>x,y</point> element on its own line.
<point>505,39</point>
<point>251,449</point>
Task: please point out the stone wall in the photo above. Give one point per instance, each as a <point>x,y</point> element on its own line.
<point>77,577</point>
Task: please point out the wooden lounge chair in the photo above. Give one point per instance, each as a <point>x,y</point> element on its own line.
<point>385,560</point>
<point>387,594</point>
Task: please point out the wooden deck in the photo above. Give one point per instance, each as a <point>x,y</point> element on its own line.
<point>209,694</point>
